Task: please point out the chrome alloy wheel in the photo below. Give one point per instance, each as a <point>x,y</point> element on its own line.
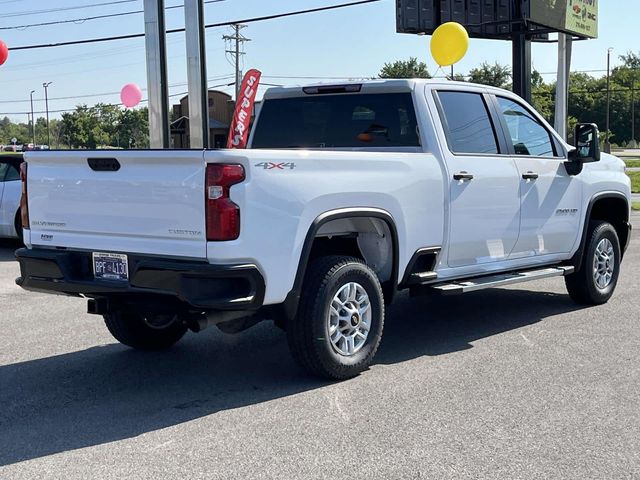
<point>349,319</point>
<point>603,263</point>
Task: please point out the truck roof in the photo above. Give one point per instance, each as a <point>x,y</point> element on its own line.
<point>369,86</point>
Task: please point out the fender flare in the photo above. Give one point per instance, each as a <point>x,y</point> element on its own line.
<point>577,258</point>
<point>389,288</point>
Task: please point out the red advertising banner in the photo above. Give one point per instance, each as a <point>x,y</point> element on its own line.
<point>239,132</point>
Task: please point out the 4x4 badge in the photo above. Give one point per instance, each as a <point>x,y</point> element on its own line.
<point>276,166</point>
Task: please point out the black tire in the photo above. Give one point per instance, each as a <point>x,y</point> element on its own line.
<point>308,333</point>
<point>131,329</point>
<point>581,285</point>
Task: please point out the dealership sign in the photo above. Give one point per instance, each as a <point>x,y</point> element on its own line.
<point>579,17</point>
<point>500,19</point>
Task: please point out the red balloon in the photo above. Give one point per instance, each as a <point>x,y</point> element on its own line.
<point>4,52</point>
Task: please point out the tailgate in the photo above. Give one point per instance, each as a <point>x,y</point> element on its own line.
<point>148,202</point>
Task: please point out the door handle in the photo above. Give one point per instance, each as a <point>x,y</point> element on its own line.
<point>462,176</point>
<point>530,176</point>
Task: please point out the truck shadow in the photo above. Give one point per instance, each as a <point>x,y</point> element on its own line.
<point>7,249</point>
<point>109,393</point>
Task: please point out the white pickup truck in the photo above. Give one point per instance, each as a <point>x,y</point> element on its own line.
<point>348,194</point>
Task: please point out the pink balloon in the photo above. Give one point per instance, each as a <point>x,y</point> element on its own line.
<point>130,95</point>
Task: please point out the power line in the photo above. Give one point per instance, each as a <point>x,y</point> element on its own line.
<point>144,100</point>
<point>64,9</point>
<point>96,17</point>
<point>301,77</point>
<point>66,73</point>
<point>90,95</point>
<point>212,25</point>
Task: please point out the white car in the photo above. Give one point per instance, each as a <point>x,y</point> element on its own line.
<point>347,194</point>
<point>10,191</point>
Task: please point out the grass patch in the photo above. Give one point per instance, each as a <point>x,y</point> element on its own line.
<point>635,181</point>
<point>632,162</point>
<point>635,206</point>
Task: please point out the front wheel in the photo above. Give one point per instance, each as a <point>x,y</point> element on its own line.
<point>338,328</point>
<point>144,333</point>
<point>596,280</point>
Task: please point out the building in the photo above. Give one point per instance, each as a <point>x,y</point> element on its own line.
<point>221,108</point>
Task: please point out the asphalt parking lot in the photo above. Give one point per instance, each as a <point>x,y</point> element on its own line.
<point>515,383</point>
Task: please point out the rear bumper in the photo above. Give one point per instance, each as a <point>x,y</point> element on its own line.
<point>199,285</point>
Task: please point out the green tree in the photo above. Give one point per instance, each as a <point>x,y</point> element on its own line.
<point>405,69</point>
<point>495,75</point>
<point>542,96</point>
<point>133,129</point>
<point>9,130</point>
<point>105,126</point>
<point>631,60</point>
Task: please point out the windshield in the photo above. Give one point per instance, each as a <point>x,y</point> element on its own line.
<point>338,121</point>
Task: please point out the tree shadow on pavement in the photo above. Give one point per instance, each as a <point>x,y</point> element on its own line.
<point>109,393</point>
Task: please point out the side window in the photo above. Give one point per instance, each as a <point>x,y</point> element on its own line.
<point>4,167</point>
<point>360,120</point>
<point>468,125</point>
<point>12,174</point>
<point>528,135</point>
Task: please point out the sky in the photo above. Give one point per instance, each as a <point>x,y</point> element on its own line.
<point>347,43</point>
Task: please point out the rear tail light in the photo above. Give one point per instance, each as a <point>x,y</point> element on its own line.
<point>24,206</point>
<point>223,216</point>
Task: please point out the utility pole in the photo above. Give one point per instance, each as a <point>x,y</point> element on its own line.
<point>46,107</point>
<point>607,145</point>
<point>235,42</point>
<point>33,120</point>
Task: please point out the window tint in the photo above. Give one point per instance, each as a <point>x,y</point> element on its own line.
<point>469,128</point>
<point>529,137</point>
<point>12,174</point>
<point>338,121</point>
<point>3,170</point>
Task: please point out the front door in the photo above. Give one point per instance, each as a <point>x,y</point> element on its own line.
<point>551,206</point>
<point>484,185</point>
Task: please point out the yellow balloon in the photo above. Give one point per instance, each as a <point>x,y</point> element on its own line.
<point>449,43</point>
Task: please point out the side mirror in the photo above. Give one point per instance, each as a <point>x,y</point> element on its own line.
<point>587,144</point>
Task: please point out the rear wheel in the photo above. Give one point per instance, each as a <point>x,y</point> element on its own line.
<point>338,328</point>
<point>596,280</point>
<point>144,333</point>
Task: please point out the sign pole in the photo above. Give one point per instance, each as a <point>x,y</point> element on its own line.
<point>562,84</point>
<point>197,74</point>
<point>522,66</point>
<point>157,87</point>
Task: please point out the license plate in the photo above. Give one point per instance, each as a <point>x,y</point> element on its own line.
<point>110,266</point>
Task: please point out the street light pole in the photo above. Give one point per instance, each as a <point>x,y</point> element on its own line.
<point>33,120</point>
<point>633,106</point>
<point>607,145</point>
<point>46,106</point>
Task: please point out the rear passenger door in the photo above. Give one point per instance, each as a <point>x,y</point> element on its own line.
<point>484,185</point>
<point>550,198</point>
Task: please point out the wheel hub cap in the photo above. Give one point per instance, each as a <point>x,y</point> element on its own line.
<point>349,319</point>
<point>603,264</point>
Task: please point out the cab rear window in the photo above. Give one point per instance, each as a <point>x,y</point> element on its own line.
<point>338,121</point>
